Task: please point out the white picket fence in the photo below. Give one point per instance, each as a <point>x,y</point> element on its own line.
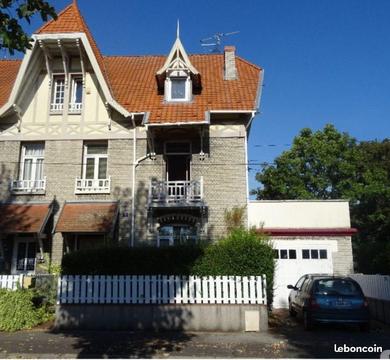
<point>374,286</point>
<point>11,282</point>
<point>161,289</point>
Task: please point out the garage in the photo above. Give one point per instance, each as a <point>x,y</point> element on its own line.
<point>294,258</point>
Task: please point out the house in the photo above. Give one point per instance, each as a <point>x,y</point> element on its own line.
<point>130,149</point>
<point>140,150</point>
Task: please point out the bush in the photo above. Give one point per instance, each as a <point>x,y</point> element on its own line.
<point>241,253</point>
<point>21,309</point>
<point>176,260</point>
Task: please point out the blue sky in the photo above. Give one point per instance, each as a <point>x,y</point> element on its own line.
<point>325,61</point>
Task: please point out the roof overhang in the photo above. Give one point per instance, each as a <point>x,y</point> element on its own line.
<point>92,58</point>
<point>24,218</point>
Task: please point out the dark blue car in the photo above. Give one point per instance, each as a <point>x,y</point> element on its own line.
<point>328,299</point>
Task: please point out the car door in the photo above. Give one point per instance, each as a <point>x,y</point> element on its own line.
<point>301,296</point>
<point>294,292</point>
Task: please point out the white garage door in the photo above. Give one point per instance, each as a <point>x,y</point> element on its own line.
<point>295,258</point>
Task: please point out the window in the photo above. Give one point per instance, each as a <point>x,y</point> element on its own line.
<point>292,254</point>
<point>178,88</point>
<point>32,162</point>
<point>314,254</point>
<point>95,161</point>
<point>285,254</point>
<point>58,94</point>
<point>76,94</point>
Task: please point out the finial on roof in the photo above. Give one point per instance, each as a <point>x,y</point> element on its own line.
<point>74,2</point>
<point>178,29</point>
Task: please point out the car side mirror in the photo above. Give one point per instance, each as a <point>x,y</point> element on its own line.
<point>291,287</point>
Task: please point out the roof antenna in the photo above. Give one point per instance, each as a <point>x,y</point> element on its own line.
<point>215,41</point>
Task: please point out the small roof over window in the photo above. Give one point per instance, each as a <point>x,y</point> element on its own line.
<point>88,217</point>
<point>177,64</point>
<point>24,218</point>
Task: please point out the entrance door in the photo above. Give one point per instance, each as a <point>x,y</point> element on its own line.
<point>24,256</point>
<point>178,168</point>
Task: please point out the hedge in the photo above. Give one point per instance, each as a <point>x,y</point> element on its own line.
<point>175,260</point>
<point>241,253</point>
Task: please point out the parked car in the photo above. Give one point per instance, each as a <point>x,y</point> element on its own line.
<point>322,298</point>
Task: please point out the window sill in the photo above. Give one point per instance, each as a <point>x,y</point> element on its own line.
<point>28,192</point>
<point>92,192</point>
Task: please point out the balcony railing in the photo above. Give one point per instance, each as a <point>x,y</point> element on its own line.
<point>54,107</point>
<point>30,186</point>
<point>174,192</point>
<point>75,107</point>
<point>93,186</point>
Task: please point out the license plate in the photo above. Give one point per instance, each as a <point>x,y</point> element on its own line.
<point>343,303</point>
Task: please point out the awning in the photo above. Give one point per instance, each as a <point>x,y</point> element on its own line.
<point>88,217</point>
<point>23,218</point>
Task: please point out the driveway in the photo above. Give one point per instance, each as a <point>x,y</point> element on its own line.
<point>286,338</point>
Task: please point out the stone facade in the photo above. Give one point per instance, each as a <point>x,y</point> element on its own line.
<point>223,170</point>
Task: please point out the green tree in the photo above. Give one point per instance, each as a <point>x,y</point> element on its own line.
<point>12,14</point>
<point>328,164</point>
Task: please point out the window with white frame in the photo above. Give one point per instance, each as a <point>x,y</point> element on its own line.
<point>95,161</point>
<point>178,88</point>
<point>32,157</point>
<point>76,94</point>
<point>58,93</point>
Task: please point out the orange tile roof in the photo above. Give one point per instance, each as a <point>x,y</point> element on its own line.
<point>8,71</point>
<point>87,217</point>
<point>132,79</point>
<point>134,86</point>
<point>23,218</point>
<point>70,20</point>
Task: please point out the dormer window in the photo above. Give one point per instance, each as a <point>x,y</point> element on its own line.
<point>178,76</point>
<point>178,89</point>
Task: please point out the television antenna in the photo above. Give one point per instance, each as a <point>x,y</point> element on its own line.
<point>215,41</point>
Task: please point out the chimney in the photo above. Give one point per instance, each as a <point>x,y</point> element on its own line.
<point>230,71</point>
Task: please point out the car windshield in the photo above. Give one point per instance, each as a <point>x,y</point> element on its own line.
<point>336,287</point>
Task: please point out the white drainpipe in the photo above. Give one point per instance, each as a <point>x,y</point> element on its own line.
<point>136,162</point>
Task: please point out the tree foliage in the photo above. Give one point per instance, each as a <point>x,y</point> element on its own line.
<point>12,14</point>
<point>328,164</point>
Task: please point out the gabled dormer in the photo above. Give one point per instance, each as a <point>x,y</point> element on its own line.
<point>178,79</point>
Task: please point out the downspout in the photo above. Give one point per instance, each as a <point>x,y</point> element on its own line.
<point>136,162</point>
<point>247,165</point>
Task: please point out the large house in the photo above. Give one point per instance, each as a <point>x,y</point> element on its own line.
<point>132,149</point>
<point>140,150</point>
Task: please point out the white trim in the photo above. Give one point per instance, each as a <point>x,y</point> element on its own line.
<point>168,89</point>
<point>33,159</point>
<point>96,158</point>
<point>230,111</point>
<point>16,241</point>
<point>96,68</point>
<point>202,122</point>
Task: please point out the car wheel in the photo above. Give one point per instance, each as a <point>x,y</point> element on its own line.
<point>365,327</point>
<point>307,322</point>
<point>291,311</point>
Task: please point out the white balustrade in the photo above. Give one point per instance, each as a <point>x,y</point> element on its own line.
<point>93,186</point>
<point>28,185</point>
<point>75,107</point>
<point>176,191</point>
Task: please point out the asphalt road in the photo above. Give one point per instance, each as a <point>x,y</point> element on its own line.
<point>286,338</point>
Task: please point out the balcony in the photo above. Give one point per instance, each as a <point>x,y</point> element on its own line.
<point>28,186</point>
<point>56,107</point>
<point>75,108</point>
<point>176,193</point>
<point>93,186</point>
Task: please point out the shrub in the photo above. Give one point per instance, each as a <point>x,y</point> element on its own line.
<point>176,260</point>
<point>241,253</point>
<point>234,218</point>
<point>21,309</point>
